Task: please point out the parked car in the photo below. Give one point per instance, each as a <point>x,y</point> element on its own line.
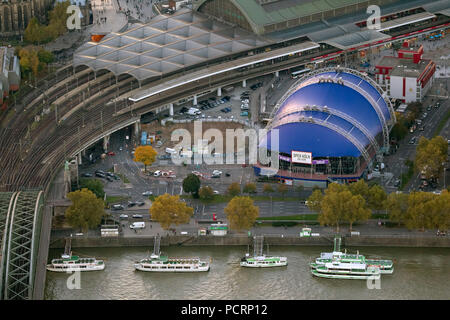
<point>100,175</point>
<point>117,207</point>
<point>397,183</point>
<point>147,193</point>
<point>109,179</point>
<point>244,113</point>
<point>138,216</point>
<point>413,140</point>
<point>87,175</point>
<point>111,153</point>
<point>123,216</point>
<point>131,204</point>
<point>140,203</point>
<point>227,174</point>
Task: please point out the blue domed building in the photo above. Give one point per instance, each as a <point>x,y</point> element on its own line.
<point>331,123</point>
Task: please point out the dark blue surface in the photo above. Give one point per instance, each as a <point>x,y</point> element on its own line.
<point>309,137</point>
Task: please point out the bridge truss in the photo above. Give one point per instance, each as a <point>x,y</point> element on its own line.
<point>20,222</point>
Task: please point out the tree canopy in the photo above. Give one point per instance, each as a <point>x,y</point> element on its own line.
<point>94,185</point>
<point>168,210</point>
<point>86,210</point>
<point>249,188</point>
<point>234,189</point>
<point>191,184</point>
<point>267,188</point>
<point>206,193</point>
<point>145,155</point>
<point>241,213</point>
<point>430,156</point>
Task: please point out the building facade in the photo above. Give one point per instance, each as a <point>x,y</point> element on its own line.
<point>15,15</point>
<point>9,72</point>
<point>406,77</point>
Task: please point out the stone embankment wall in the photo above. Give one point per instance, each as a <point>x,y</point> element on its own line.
<point>232,240</point>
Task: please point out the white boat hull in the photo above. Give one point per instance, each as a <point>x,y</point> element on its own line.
<point>139,267</point>
<point>345,276</point>
<point>256,265</point>
<point>76,268</point>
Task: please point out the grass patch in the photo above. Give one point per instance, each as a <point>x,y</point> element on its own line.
<point>115,199</point>
<point>442,123</point>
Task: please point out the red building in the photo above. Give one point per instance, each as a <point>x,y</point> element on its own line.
<point>406,77</point>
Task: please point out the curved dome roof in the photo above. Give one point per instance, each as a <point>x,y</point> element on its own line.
<point>332,114</point>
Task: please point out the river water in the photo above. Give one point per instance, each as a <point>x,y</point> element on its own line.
<point>420,273</point>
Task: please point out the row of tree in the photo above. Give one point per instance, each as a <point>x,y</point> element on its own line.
<point>420,210</point>
<point>33,60</point>
<point>37,33</point>
<point>346,203</point>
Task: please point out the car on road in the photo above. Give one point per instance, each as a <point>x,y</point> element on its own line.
<point>157,173</point>
<point>422,128</point>
<point>429,108</point>
<point>109,179</point>
<point>116,207</point>
<point>110,174</point>
<point>244,114</point>
<point>228,174</point>
<point>131,204</point>
<point>100,175</point>
<point>111,153</point>
<point>437,105</point>
<point>140,203</point>
<point>87,175</point>
<point>397,183</point>
<point>217,172</point>
<point>123,216</point>
<point>147,193</point>
<point>424,115</point>
<point>138,216</point>
<point>216,192</point>
<point>413,140</point>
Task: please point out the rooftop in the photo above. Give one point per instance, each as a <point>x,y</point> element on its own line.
<point>404,67</point>
<point>165,44</point>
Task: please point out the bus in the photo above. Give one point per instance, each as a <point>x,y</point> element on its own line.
<point>298,73</point>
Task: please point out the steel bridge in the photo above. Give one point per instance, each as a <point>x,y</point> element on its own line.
<point>20,223</point>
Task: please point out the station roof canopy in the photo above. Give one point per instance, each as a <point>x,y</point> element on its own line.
<point>406,20</point>
<point>223,67</point>
<point>440,6</point>
<point>165,44</point>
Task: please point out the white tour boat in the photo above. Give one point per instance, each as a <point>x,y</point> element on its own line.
<point>158,263</point>
<point>340,265</point>
<point>70,263</point>
<point>260,260</point>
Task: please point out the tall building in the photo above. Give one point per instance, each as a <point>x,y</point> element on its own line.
<point>9,72</point>
<point>406,77</point>
<point>15,14</point>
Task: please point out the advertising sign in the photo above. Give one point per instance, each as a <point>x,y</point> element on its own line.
<point>301,157</point>
<point>324,161</point>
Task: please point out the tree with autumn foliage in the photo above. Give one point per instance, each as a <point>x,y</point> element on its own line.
<point>145,155</point>
<point>168,210</point>
<point>241,213</point>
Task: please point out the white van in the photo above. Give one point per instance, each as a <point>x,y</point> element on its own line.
<point>157,173</point>
<point>137,225</point>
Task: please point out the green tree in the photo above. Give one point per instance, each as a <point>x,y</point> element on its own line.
<point>396,205</point>
<point>145,155</point>
<point>249,188</point>
<point>86,210</point>
<point>34,32</point>
<point>206,193</point>
<point>241,213</point>
<point>45,56</point>
<point>168,210</point>
<point>234,189</point>
<point>191,184</point>
<point>94,185</point>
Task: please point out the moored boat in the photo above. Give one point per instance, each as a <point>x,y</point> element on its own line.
<point>70,263</point>
<point>259,259</point>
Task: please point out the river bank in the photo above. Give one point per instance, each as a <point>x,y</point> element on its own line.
<point>244,240</point>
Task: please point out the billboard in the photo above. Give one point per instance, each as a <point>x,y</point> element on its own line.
<point>301,157</point>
